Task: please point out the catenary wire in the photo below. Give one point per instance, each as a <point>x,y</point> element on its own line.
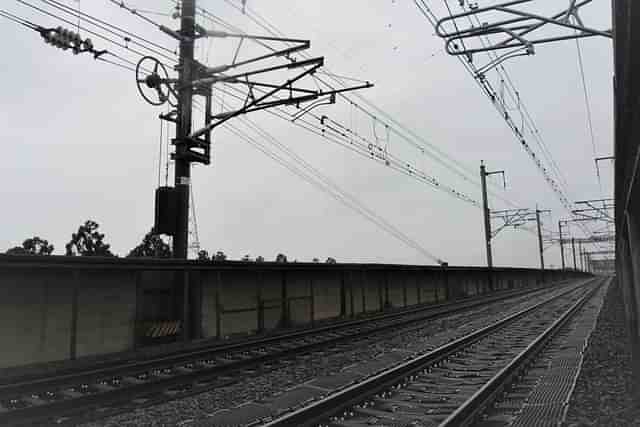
<point>469,68</point>
<point>458,168</point>
<point>338,195</point>
<point>18,20</point>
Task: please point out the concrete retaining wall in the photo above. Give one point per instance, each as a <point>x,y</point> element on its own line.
<point>64,314</point>
<point>56,308</point>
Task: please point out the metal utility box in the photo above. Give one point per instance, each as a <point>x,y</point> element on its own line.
<point>166,205</point>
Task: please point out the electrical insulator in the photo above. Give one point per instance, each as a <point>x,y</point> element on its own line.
<point>66,39</point>
<point>88,45</point>
<point>76,41</point>
<point>48,36</point>
<point>62,39</point>
<point>55,39</point>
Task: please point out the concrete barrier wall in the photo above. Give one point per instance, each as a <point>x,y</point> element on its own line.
<point>271,298</point>
<point>35,316</point>
<point>210,313</point>
<point>327,295</point>
<point>56,308</point>
<point>372,291</point>
<point>396,289</point>
<point>106,312</point>
<point>238,302</point>
<point>64,314</point>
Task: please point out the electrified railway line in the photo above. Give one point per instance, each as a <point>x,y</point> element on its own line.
<point>453,383</point>
<point>85,394</point>
<point>537,385</point>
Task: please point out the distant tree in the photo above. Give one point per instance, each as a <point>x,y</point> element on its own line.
<point>281,258</point>
<point>331,261</point>
<point>219,256</point>
<point>37,246</point>
<point>316,260</point>
<point>17,250</point>
<point>32,246</point>
<point>260,259</point>
<point>152,246</point>
<point>88,241</point>
<point>203,255</point>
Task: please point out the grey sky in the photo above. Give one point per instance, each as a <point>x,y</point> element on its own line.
<point>80,143</point>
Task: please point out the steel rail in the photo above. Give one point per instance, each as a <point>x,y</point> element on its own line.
<point>467,413</point>
<point>125,393</point>
<point>319,411</point>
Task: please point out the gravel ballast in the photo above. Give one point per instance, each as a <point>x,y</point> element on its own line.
<point>195,411</point>
<point>602,396</point>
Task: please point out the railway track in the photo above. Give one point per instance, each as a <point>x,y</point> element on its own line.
<point>76,397</point>
<point>536,388</point>
<point>120,387</point>
<point>451,385</point>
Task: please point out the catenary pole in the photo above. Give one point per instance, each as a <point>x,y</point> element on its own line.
<point>540,247</point>
<point>487,215</point>
<point>183,128</point>
<point>561,244</point>
<point>573,246</point>
<point>581,256</point>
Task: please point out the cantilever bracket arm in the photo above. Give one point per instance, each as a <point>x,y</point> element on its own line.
<point>260,103</point>
<point>209,71</point>
<point>257,103</point>
<point>315,63</point>
<point>516,28</point>
<point>520,41</point>
<point>481,71</point>
<point>441,32</point>
<point>511,218</point>
<point>320,102</point>
<point>203,32</point>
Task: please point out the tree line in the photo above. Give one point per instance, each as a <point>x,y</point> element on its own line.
<point>88,241</point>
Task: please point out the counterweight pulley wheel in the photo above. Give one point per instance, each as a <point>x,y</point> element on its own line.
<point>152,80</point>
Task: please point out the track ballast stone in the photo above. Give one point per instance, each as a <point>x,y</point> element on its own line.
<point>602,396</point>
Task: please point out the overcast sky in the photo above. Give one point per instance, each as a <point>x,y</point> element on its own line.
<point>80,143</point>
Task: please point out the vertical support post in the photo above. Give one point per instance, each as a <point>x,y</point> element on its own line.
<point>404,290</point>
<point>540,247</point>
<point>487,220</point>
<point>139,307</point>
<point>186,312</point>
<point>364,291</point>
<point>447,291</point>
<point>284,314</point>
<point>260,301</point>
<point>561,244</point>
<point>387,303</point>
<point>343,296</point>
<point>218,305</point>
<point>73,338</point>
<point>195,307</point>
<point>380,287</point>
<point>312,301</point>
<point>573,246</point>
<point>182,178</point>
<point>351,296</point>
<point>581,256</point>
